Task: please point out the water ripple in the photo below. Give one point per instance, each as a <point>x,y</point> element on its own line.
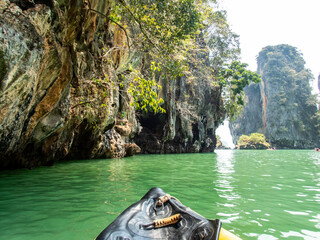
<point>256,194</point>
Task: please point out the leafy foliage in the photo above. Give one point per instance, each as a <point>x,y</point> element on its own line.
<point>172,36</point>
<point>254,141</point>
<point>162,32</point>
<point>233,79</point>
<point>144,92</point>
<point>222,42</point>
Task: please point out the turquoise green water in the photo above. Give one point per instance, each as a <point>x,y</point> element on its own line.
<point>257,194</point>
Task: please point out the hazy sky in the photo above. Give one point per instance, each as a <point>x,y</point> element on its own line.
<point>270,22</point>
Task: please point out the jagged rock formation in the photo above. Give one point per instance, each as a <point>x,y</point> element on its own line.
<point>250,120</point>
<point>52,109</point>
<point>190,123</point>
<point>280,106</point>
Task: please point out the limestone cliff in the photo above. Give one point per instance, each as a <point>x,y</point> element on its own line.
<point>251,118</point>
<point>193,114</point>
<point>281,106</point>
<point>61,98</point>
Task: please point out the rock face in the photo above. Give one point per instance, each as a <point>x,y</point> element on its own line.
<point>280,106</point>
<point>190,123</point>
<point>250,120</point>
<point>53,105</point>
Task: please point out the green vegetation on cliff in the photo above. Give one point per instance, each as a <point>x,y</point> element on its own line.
<point>99,79</point>
<point>175,39</point>
<point>291,106</point>
<point>161,33</point>
<point>234,79</point>
<point>178,58</point>
<point>282,106</point>
<point>254,141</point>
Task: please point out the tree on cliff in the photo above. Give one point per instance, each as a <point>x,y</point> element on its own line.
<point>162,33</point>
<point>166,34</point>
<point>233,79</point>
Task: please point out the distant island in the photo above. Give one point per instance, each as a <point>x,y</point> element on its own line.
<point>281,106</point>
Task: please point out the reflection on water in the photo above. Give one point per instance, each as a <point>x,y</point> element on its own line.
<point>315,157</point>
<point>224,185</point>
<point>257,194</point>
<point>225,162</point>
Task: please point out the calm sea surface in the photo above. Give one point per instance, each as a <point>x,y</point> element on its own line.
<point>257,194</point>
